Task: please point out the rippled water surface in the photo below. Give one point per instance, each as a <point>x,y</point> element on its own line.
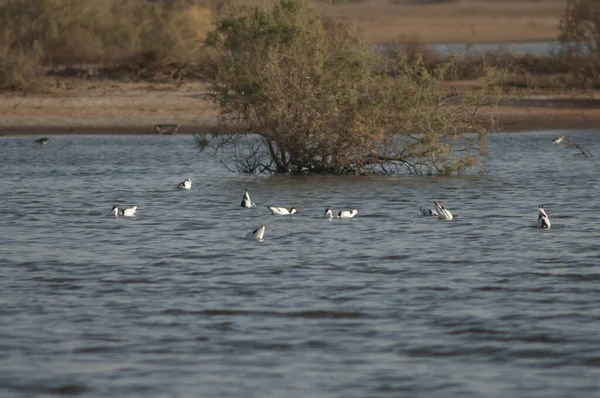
<point>174,302</point>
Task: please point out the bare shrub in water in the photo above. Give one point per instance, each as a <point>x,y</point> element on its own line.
<point>329,104</point>
<point>580,35</point>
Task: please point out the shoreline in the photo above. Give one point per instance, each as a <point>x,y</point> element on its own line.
<point>511,119</point>
<point>82,107</point>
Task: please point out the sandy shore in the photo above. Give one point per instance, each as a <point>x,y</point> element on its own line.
<point>135,108</point>
<point>384,21</point>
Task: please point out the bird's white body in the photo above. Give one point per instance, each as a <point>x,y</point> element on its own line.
<point>347,213</point>
<point>558,140</point>
<point>256,234</point>
<point>328,214</point>
<point>129,212</point>
<point>246,202</point>
<point>186,184</point>
<point>543,221</point>
<point>443,213</point>
<point>428,212</point>
<point>281,211</point>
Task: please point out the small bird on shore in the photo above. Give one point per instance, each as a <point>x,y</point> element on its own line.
<point>281,211</point>
<point>443,213</point>
<point>256,234</point>
<point>43,140</point>
<point>246,202</point>
<point>428,212</point>
<point>185,184</point>
<point>128,212</point>
<point>166,129</point>
<point>543,221</point>
<point>347,213</point>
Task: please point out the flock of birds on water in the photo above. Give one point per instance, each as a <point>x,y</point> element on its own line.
<point>258,233</point>
<point>543,222</point>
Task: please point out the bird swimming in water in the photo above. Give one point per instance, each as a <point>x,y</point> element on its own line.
<point>186,184</point>
<point>43,141</point>
<point>428,212</point>
<point>543,221</point>
<point>558,140</point>
<point>328,213</point>
<point>257,234</point>
<point>246,202</point>
<point>281,211</point>
<point>347,213</point>
<point>129,212</point>
<point>443,213</point>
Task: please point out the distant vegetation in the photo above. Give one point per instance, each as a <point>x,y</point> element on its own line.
<point>580,34</point>
<point>326,103</point>
<point>131,34</point>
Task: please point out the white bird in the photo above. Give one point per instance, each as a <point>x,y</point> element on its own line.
<point>543,221</point>
<point>281,211</point>
<point>186,184</point>
<point>428,212</point>
<point>347,213</point>
<point>328,213</point>
<point>129,212</point>
<point>558,140</point>
<point>257,234</point>
<point>443,213</point>
<point>246,202</point>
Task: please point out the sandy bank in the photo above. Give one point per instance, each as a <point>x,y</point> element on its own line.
<point>84,107</point>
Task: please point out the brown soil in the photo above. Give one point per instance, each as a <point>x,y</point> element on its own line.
<point>82,107</point>
<point>470,21</point>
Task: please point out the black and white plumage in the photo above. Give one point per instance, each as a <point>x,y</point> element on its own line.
<point>347,213</point>
<point>428,212</point>
<point>443,213</point>
<point>185,184</point>
<point>256,234</point>
<point>328,213</point>
<point>543,221</point>
<point>281,211</point>
<point>558,140</point>
<point>246,202</point>
<point>129,212</point>
<point>43,140</point>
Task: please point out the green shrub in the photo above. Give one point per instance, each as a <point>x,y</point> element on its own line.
<point>329,104</point>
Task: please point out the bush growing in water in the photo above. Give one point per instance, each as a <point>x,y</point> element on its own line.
<point>329,104</point>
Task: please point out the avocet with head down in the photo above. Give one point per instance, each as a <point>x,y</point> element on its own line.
<point>443,213</point>
<point>347,213</point>
<point>256,234</point>
<point>543,221</point>
<point>428,212</point>
<point>129,212</point>
<point>281,211</point>
<point>185,184</point>
<point>246,202</point>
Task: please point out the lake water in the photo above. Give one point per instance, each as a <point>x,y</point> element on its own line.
<point>175,303</point>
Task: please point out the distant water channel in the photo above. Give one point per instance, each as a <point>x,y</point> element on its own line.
<point>535,48</point>
<point>175,303</point>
